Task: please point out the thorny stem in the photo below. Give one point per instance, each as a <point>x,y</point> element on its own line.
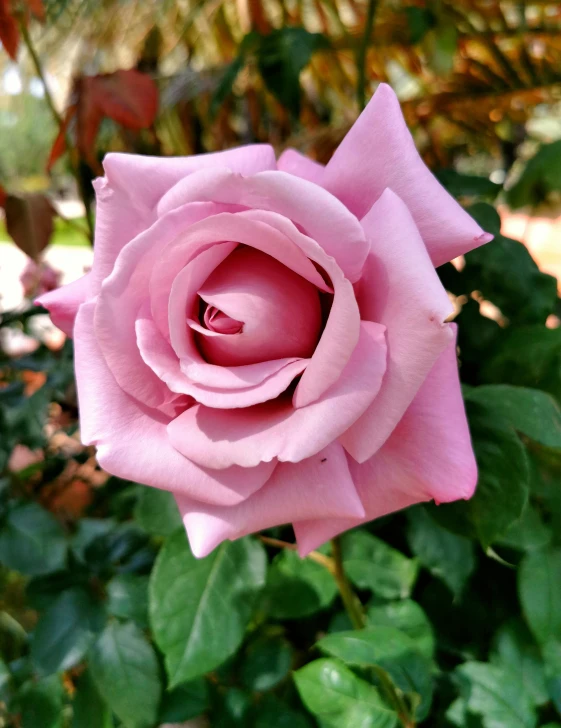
<point>350,600</point>
<point>59,121</point>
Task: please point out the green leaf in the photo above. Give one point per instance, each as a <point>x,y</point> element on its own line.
<point>88,708</point>
<point>529,532</point>
<point>32,541</point>
<point>534,413</point>
<point>40,704</point>
<point>528,356</point>
<point>372,564</point>
<point>419,21</point>
<point>266,663</point>
<point>446,555</point>
<point>552,658</point>
<point>515,649</point>
<point>297,587</point>
<point>389,649</point>
<point>408,617</point>
<point>88,529</point>
<point>156,511</point>
<point>125,669</point>
<point>540,178</point>
<point>502,487</point>
<point>498,696</point>
<point>465,185</point>
<point>127,597</point>
<point>459,716</point>
<point>185,702</point>
<point>539,588</point>
<point>231,709</point>
<point>271,712</point>
<point>340,699</point>
<point>65,631</point>
<point>281,56</point>
<point>199,608</point>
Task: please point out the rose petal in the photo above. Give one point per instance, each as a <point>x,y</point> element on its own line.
<point>317,487</point>
<point>317,212</point>
<point>379,152</point>
<point>429,455</point>
<point>131,439</point>
<point>221,438</point>
<point>133,184</point>
<point>121,296</point>
<point>280,311</point>
<point>401,290</point>
<point>63,303</point>
<point>269,381</point>
<point>298,164</point>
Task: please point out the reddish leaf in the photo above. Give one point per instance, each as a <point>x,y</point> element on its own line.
<point>3,196</point>
<point>59,144</point>
<point>29,222</point>
<point>9,33</point>
<point>36,8</point>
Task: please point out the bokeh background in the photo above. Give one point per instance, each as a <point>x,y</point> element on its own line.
<point>106,620</point>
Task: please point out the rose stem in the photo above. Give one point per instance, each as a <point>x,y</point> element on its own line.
<point>350,600</point>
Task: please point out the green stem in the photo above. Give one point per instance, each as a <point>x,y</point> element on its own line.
<point>362,53</point>
<point>350,600</point>
<point>59,121</point>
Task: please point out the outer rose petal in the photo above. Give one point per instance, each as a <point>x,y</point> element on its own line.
<point>299,165</point>
<point>63,303</point>
<point>320,487</point>
<point>401,290</point>
<point>131,439</point>
<point>379,152</point>
<point>429,455</point>
<point>133,184</point>
<point>246,437</point>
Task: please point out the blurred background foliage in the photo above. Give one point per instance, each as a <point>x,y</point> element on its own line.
<point>106,619</point>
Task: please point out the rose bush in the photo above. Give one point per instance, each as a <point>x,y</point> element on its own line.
<point>268,339</point>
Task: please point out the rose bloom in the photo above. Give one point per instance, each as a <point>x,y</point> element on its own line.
<point>267,339</point>
<point>39,278</point>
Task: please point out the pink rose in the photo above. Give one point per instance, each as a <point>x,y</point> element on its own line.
<point>39,278</point>
<point>267,339</point>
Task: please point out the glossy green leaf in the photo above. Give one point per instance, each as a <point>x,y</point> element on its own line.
<point>551,652</point>
<point>534,413</point>
<point>407,616</point>
<point>514,648</point>
<point>32,540</point>
<point>390,649</point>
<point>539,588</point>
<point>281,57</point>
<point>127,597</point>
<point>126,672</point>
<point>527,356</point>
<point>297,587</point>
<point>372,564</point>
<point>184,702</point>
<point>40,703</point>
<point>340,699</point>
<point>156,511</point>
<point>199,608</point>
<point>446,555</point>
<point>498,696</point>
<point>65,631</point>
<point>266,662</point>
<point>89,710</point>
<point>528,533</point>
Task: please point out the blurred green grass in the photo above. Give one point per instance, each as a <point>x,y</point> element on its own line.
<point>66,232</point>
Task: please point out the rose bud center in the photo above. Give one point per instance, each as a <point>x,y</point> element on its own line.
<point>256,309</point>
